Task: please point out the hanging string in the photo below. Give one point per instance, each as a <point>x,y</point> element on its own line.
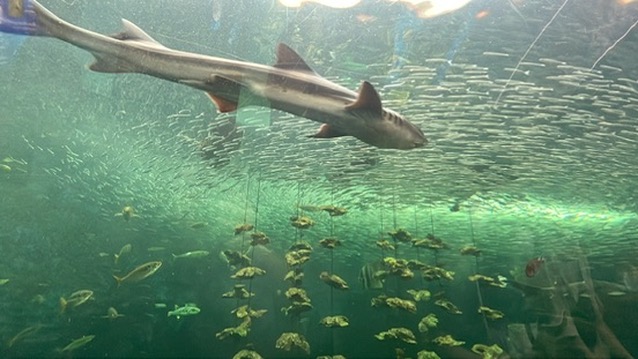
<point>332,229</point>
<point>257,200</point>
<point>381,225</point>
<point>246,201</point>
<point>416,233</point>
<point>252,251</point>
<point>476,271</point>
<point>394,222</point>
<point>394,211</point>
<point>515,70</point>
<point>436,251</point>
<point>298,232</point>
<point>332,266</point>
<point>243,235</point>
<point>381,232</point>
<point>598,60</point>
<point>298,209</point>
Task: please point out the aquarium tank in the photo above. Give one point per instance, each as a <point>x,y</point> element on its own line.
<point>318,179</point>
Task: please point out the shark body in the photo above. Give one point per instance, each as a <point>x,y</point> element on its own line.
<point>290,85</point>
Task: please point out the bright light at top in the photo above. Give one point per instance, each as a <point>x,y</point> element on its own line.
<point>423,8</point>
<point>426,9</point>
<point>338,4</point>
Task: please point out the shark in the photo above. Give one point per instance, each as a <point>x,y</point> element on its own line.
<point>290,85</point>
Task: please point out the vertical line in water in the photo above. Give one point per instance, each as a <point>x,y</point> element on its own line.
<point>527,53</point>
<point>332,268</point>
<point>436,251</point>
<point>298,235</point>
<point>476,271</point>
<point>416,233</point>
<point>243,234</point>
<point>613,45</point>
<point>252,250</point>
<point>394,224</point>
<point>246,199</point>
<point>381,229</point>
<point>394,211</point>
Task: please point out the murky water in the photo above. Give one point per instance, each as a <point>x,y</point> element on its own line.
<point>531,156</point>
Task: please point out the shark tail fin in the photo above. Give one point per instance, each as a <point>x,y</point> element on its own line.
<point>19,17</point>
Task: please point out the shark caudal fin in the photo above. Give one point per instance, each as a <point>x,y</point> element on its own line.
<point>18,17</point>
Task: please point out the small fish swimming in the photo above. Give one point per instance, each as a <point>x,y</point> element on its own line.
<point>78,343</point>
<point>187,309</point>
<point>23,334</point>
<point>334,281</point>
<point>112,313</point>
<point>534,266</point>
<point>198,225</point>
<point>75,299</point>
<point>127,213</point>
<point>193,254</point>
<point>125,249</point>
<point>143,271</point>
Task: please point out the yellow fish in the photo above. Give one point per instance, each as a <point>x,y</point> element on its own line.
<point>139,273</point>
<point>77,298</point>
<point>127,213</point>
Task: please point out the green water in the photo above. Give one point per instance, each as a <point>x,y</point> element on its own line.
<point>542,164</point>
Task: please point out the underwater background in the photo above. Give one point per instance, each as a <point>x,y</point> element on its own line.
<point>529,178</point>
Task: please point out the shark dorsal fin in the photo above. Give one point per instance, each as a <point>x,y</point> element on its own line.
<point>367,100</point>
<point>132,32</point>
<point>288,59</point>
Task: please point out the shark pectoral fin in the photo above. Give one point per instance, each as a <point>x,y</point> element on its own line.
<point>288,59</point>
<point>368,100</point>
<point>325,131</point>
<point>222,104</point>
<point>223,92</point>
<point>218,84</point>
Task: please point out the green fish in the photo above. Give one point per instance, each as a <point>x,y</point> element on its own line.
<point>78,343</point>
<point>187,309</point>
